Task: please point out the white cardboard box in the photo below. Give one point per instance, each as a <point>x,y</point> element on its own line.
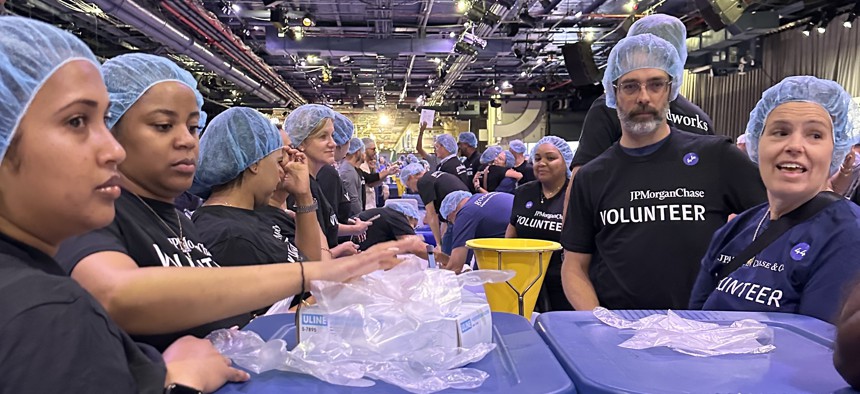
<point>473,325</point>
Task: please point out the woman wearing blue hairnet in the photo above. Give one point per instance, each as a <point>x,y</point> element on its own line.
<point>497,174</point>
<point>311,130</point>
<point>54,143</point>
<point>130,266</point>
<point>242,162</point>
<point>797,252</point>
<point>537,212</point>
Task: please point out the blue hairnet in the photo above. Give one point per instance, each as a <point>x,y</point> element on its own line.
<point>30,53</point>
<point>450,202</point>
<point>509,159</point>
<point>638,52</point>
<point>447,142</point>
<point>826,93</point>
<point>666,27</point>
<point>343,129</point>
<point>128,77</point>
<point>305,119</point>
<point>355,145</point>
<point>410,170</point>
<point>235,139</point>
<point>561,145</point>
<point>410,158</point>
<point>469,138</point>
<point>407,209</point>
<point>517,146</point>
<point>490,154</point>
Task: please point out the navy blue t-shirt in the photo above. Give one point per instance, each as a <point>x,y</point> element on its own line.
<point>806,270</point>
<point>484,216</point>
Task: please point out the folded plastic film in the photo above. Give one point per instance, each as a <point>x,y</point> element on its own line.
<point>401,333</point>
<point>692,337</point>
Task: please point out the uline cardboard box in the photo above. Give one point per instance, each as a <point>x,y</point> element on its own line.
<point>471,326</point>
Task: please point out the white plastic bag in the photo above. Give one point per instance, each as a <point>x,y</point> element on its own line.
<point>397,341</point>
<point>692,337</point>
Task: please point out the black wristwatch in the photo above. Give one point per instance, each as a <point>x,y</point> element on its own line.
<point>174,388</point>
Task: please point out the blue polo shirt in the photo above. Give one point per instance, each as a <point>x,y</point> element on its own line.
<point>806,270</point>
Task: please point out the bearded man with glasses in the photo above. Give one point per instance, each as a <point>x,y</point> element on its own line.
<point>641,215</point>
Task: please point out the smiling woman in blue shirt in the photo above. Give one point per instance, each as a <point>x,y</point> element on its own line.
<point>798,134</point>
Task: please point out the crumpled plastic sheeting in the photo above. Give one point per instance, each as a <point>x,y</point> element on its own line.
<point>400,310</point>
<point>692,337</point>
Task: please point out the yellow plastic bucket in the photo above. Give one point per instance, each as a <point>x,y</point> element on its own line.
<point>529,258</point>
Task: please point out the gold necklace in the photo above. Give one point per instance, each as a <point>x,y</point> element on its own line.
<point>543,196</point>
<point>180,237</point>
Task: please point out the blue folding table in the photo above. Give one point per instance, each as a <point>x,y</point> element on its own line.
<point>521,363</point>
<point>589,352</point>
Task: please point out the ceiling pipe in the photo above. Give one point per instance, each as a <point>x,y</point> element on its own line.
<point>142,19</point>
<point>422,30</point>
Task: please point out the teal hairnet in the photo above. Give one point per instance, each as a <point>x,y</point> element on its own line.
<point>128,77</point>
<point>490,154</point>
<point>450,202</point>
<point>343,129</point>
<point>561,145</point>
<point>408,210</point>
<point>355,145</point>
<point>305,119</point>
<point>30,53</point>
<point>509,159</point>
<point>517,146</point>
<point>666,27</point>
<point>828,94</point>
<point>233,141</point>
<point>410,170</point>
<point>447,142</point>
<point>469,138</point>
<point>638,52</point>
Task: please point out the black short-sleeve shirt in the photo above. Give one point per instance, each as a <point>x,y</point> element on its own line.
<point>390,225</point>
<point>56,336</point>
<point>277,217</point>
<point>148,231</point>
<point>325,214</point>
<point>528,172</point>
<point>332,188</point>
<point>648,220</point>
<point>238,236</point>
<point>602,128</point>
<point>453,166</point>
<point>472,164</point>
<point>435,186</point>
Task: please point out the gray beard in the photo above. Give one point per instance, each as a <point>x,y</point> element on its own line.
<point>641,129</point>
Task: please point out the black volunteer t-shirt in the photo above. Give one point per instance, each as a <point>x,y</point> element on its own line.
<point>325,214</point>
<point>472,164</point>
<point>535,217</point>
<point>435,186</point>
<point>238,236</point>
<point>390,225</point>
<point>332,188</point>
<point>362,190</point>
<point>276,217</point>
<point>602,128</point>
<point>528,173</point>
<point>453,166</point>
<point>148,232</point>
<point>648,220</point>
<point>58,338</point>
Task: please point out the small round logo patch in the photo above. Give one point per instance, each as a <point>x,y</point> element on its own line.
<point>691,159</point>
<point>798,252</point>
<point>529,205</point>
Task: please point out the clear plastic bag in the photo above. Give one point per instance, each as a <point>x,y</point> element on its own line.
<point>397,341</point>
<point>692,337</point>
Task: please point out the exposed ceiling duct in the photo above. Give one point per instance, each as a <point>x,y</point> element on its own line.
<point>150,24</point>
<point>336,47</point>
